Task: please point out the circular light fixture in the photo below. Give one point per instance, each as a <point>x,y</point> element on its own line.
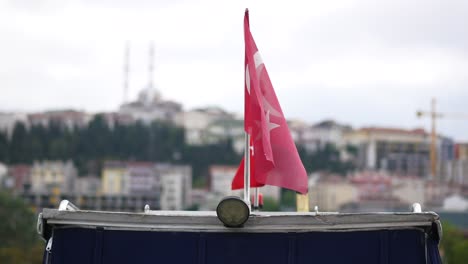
<point>233,211</point>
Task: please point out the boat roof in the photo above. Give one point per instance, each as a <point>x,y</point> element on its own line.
<point>207,221</point>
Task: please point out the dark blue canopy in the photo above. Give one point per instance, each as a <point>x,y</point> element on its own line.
<point>102,246</point>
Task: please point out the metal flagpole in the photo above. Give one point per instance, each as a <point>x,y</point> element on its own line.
<point>247,169</point>
<point>256,199</point>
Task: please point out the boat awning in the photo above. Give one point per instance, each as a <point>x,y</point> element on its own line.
<point>79,236</point>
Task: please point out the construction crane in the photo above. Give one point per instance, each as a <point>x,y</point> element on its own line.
<point>433,114</point>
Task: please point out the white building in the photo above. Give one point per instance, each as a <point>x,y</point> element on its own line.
<point>131,178</point>
<point>3,174</point>
<point>113,177</point>
<point>271,191</point>
<point>223,129</point>
<point>456,203</point>
<point>220,180</point>
<point>459,166</point>
<point>330,193</point>
<point>141,178</point>
<point>398,151</point>
<point>326,132</point>
<point>199,197</point>
<point>460,171</point>
<point>88,185</point>
<point>176,183</point>
<point>53,177</point>
<point>115,118</point>
<point>220,184</point>
<point>409,190</point>
<point>297,128</point>
<point>197,125</point>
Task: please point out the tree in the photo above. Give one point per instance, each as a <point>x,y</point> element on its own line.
<point>19,241</point>
<point>18,148</point>
<point>201,157</point>
<point>288,200</point>
<point>269,204</point>
<point>90,146</point>
<point>96,139</point>
<point>454,246</point>
<point>3,147</point>
<point>39,140</point>
<point>326,158</point>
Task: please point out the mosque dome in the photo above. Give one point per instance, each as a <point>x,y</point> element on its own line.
<point>149,95</point>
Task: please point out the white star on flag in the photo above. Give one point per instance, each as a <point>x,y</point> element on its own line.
<point>270,125</point>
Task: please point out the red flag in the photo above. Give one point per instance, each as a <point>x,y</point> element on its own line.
<point>273,154</point>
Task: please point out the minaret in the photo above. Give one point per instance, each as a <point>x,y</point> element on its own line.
<point>151,66</point>
<point>126,71</point>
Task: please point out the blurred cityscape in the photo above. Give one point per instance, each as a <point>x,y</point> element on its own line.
<point>351,169</point>
<point>340,59</point>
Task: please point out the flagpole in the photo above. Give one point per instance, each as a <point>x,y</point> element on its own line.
<point>247,169</point>
<point>256,200</point>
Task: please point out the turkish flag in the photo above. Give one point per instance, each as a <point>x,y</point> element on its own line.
<point>274,157</point>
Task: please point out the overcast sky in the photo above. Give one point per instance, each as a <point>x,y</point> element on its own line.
<point>363,62</point>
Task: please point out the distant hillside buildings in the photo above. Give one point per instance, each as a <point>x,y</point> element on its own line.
<point>69,119</point>
<point>378,191</point>
<point>392,164</point>
<point>129,186</point>
<point>124,186</point>
<point>394,150</point>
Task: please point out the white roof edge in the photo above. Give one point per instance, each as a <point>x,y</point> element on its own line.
<point>207,221</point>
